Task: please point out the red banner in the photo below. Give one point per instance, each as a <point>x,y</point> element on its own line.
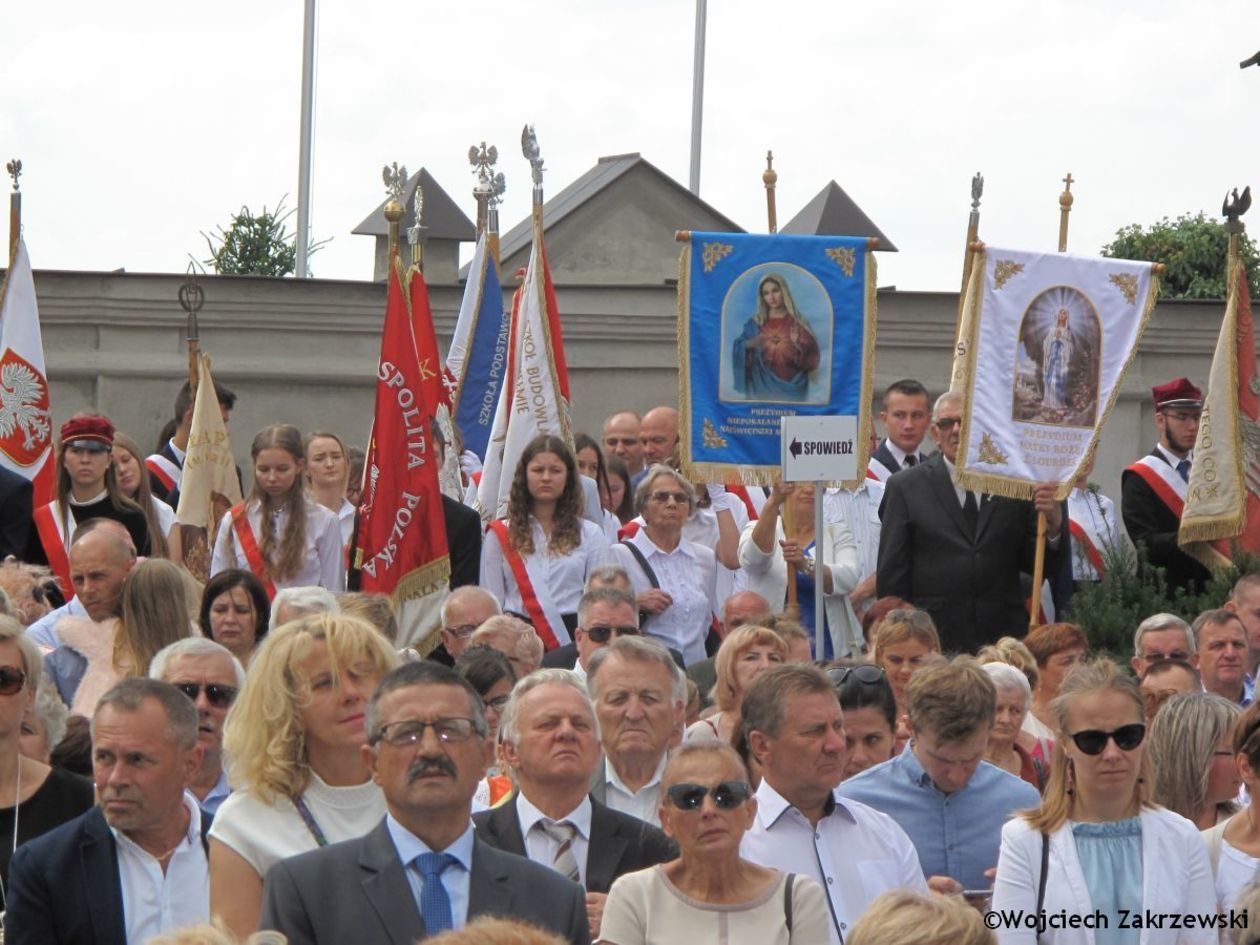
<point>402,547</point>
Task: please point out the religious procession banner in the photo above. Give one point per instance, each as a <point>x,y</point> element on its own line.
<point>1222,509</point>
<point>1048,338</point>
<point>770,326</point>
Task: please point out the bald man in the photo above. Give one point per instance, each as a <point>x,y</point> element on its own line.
<point>658,432</point>
<point>102,554</point>
<point>621,439</point>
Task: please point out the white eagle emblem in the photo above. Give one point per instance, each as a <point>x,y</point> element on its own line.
<point>23,409</point>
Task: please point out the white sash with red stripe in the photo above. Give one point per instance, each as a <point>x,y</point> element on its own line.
<point>1089,536</point>
<point>53,530</point>
<point>170,474</point>
<point>542,612</point>
<point>1164,482</point>
<point>878,471</point>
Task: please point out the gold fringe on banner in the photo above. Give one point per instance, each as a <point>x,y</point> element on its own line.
<point>423,581</point>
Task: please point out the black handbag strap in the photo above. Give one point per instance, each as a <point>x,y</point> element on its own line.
<point>1045,871</point>
<point>643,563</point>
<point>787,902</point>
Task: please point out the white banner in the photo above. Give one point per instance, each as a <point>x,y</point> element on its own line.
<point>25,412</point>
<point>1050,338</point>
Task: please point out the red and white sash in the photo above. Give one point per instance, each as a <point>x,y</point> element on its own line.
<point>877,470</point>
<point>741,492</point>
<point>1164,482</point>
<point>1083,511</point>
<point>244,533</point>
<point>169,474</point>
<point>542,613</point>
<point>52,535</point>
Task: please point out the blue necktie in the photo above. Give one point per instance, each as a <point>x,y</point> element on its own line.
<point>1183,470</point>
<point>435,904</point>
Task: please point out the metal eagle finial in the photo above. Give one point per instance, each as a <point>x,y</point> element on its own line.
<point>1234,207</point>
<point>395,178</point>
<point>529,147</point>
<point>14,168</point>
<point>977,190</point>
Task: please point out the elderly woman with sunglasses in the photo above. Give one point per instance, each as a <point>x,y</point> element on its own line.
<point>1097,844</point>
<point>710,893</point>
<point>674,579</point>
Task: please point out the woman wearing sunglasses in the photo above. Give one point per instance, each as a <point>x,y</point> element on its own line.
<point>745,654</point>
<point>710,893</point>
<point>34,798</point>
<point>1098,843</point>
<point>870,715</point>
<point>294,743</point>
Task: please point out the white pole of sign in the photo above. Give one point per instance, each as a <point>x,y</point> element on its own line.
<point>820,563</point>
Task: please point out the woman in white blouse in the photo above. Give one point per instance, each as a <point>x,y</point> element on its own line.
<point>1234,844</point>
<point>328,475</point>
<point>674,579</point>
<point>767,548</point>
<point>536,561</point>
<point>294,743</point>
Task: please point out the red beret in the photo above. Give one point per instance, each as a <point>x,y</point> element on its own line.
<point>98,429</point>
<point>1178,393</point>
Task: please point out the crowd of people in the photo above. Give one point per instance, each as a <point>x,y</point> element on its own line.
<point>631,725</point>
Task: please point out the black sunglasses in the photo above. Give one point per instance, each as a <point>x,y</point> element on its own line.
<point>601,634</point>
<point>217,694</point>
<point>1127,737</point>
<point>726,796</point>
<point>866,673</point>
<point>12,680</point>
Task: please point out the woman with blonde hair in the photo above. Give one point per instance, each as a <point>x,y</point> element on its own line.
<point>94,656</point>
<point>905,915</point>
<point>1192,752</point>
<point>903,642</point>
<point>328,475</point>
<point>133,482</point>
<point>1098,843</point>
<point>1233,845</point>
<point>744,655</point>
<point>293,741</point>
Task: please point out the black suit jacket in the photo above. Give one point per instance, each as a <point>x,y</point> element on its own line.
<point>968,583</point>
<point>565,657</point>
<point>463,538</point>
<point>885,456</point>
<point>619,843</point>
<point>1148,520</point>
<point>16,509</point>
<point>357,892</point>
<point>65,888</point>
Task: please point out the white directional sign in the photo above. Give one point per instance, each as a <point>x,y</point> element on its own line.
<point>818,448</point>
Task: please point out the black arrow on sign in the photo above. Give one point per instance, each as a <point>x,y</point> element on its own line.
<point>795,448</point>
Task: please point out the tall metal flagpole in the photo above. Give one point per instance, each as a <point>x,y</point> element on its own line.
<point>304,143</point>
<point>973,234</point>
<point>697,97</point>
<point>1039,562</point>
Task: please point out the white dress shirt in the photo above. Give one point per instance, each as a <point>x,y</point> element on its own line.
<point>540,846</point>
<point>859,509</point>
<point>688,574</point>
<point>900,455</point>
<point>323,561</point>
<point>155,902</point>
<point>855,853</point>
<point>645,803</point>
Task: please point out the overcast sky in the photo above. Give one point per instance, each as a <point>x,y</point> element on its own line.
<point>143,123</point>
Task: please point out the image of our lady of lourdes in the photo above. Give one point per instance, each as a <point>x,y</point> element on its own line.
<point>1057,360</point>
<point>776,356</point>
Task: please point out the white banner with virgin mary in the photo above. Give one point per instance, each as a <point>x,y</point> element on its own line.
<point>1049,338</point>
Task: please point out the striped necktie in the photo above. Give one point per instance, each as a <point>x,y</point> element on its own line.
<point>564,862</point>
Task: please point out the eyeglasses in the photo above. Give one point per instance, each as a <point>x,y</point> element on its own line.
<point>1160,657</point>
<point>12,680</point>
<point>1127,737</point>
<point>601,634</point>
<point>866,673</point>
<point>499,703</point>
<point>411,731</point>
<point>663,497</point>
<point>947,423</point>
<point>726,796</point>
<point>217,694</point>
<point>463,631</point>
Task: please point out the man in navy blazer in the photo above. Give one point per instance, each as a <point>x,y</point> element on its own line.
<point>905,417</point>
<point>87,881</point>
<point>426,732</point>
<point>15,513</point>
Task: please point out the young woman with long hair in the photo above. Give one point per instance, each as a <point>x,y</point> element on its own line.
<point>328,475</point>
<point>279,532</point>
<point>133,481</point>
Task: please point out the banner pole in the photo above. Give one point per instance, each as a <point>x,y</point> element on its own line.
<point>789,522</point>
<point>820,615</point>
<point>770,177</point>
<point>973,234</point>
<point>14,167</point>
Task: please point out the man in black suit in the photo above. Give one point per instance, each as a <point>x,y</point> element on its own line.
<point>90,881</point>
<point>549,740</point>
<point>422,870</point>
<point>956,554</point>
<point>166,467</point>
<point>16,508</point>
<point>1153,490</point>
<point>905,418</point>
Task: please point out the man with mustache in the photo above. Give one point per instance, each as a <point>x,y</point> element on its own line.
<point>550,741</point>
<point>422,870</point>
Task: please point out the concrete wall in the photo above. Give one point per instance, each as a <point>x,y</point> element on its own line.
<point>305,352</point>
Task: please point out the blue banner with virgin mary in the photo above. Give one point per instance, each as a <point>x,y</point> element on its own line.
<point>770,326</point>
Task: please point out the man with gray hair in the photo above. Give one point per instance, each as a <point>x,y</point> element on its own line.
<point>1161,637</point>
<point>958,554</point>
<point>550,740</point>
<point>422,870</point>
<point>604,614</point>
<point>464,610</point>
<point>209,675</point>
<point>293,602</point>
<point>135,866</point>
<point>515,639</point>
<point>640,700</point>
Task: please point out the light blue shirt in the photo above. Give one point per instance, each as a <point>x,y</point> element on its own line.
<point>218,794</point>
<point>1111,860</point>
<point>956,835</point>
<point>42,632</point>
<point>1249,690</point>
<point>456,879</point>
